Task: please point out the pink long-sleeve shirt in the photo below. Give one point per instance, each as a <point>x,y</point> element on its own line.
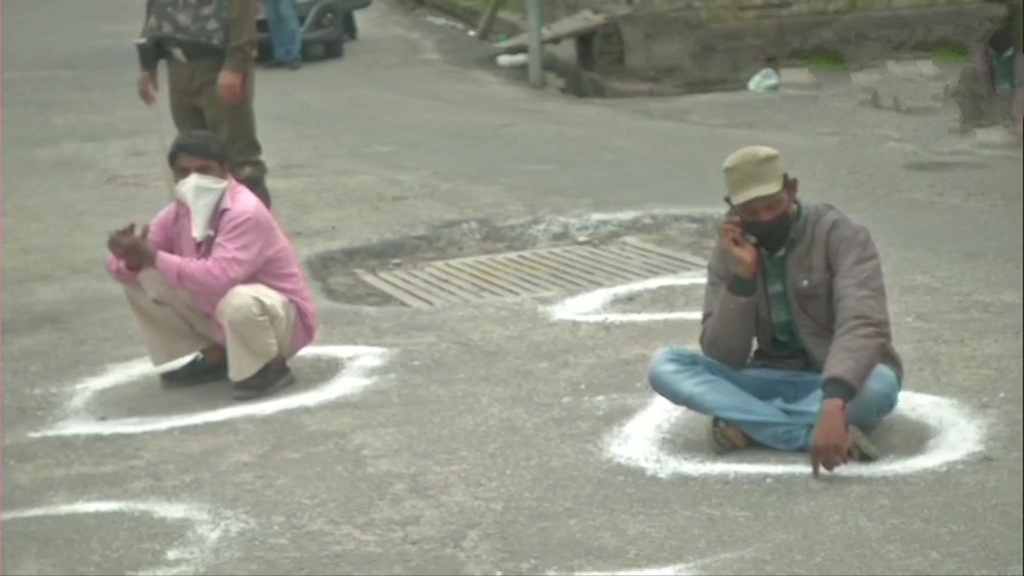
<point>249,248</point>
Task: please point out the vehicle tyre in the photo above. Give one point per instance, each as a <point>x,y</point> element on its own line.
<point>335,48</point>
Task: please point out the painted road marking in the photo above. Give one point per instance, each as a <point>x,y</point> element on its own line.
<point>684,569</point>
<point>590,306</point>
<point>673,570</point>
<point>208,532</point>
<point>639,443</point>
<point>357,374</point>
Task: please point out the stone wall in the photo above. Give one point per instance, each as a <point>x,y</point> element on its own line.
<point>706,45</point>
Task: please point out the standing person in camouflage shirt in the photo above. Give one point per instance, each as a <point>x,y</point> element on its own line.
<point>210,48</point>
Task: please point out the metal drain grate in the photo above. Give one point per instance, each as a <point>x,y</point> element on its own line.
<point>540,272</point>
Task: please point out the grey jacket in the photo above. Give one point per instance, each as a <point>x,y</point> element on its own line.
<point>837,296</point>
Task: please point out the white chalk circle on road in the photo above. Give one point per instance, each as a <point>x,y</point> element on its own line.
<point>355,376</point>
<point>590,306</point>
<point>639,443</point>
<point>207,533</point>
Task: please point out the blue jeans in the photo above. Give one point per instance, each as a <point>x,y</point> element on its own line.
<point>776,408</point>
<point>285,29</point>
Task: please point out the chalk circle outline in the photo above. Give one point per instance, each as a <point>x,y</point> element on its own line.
<point>355,376</point>
<point>207,532</point>
<point>587,307</point>
<point>639,443</point>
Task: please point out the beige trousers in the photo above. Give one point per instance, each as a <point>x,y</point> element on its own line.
<point>258,324</point>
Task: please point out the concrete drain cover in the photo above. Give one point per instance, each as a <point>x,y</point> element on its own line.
<point>540,272</point>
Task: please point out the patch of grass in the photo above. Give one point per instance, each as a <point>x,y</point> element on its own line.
<point>955,54</point>
<point>826,62</point>
<point>950,54</point>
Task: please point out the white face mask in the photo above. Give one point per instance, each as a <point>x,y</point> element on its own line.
<point>202,194</point>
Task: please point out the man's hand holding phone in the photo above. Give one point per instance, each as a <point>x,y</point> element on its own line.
<point>743,253</point>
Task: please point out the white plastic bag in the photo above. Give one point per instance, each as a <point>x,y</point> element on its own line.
<point>512,60</point>
<point>766,80</point>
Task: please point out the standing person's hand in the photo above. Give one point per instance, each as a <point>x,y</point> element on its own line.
<point>742,252</point>
<point>231,87</point>
<point>148,87</point>
<point>830,441</point>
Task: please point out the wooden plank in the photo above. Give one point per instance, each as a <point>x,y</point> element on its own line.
<point>486,24</point>
<point>582,22</point>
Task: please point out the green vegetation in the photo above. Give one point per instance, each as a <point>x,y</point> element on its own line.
<point>956,54</point>
<point>950,54</point>
<point>826,62</point>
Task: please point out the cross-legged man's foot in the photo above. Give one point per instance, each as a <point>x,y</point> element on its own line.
<point>210,365</point>
<point>274,376</point>
<point>862,449</point>
<point>726,437</point>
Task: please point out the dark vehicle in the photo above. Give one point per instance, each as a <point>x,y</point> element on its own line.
<point>327,23</point>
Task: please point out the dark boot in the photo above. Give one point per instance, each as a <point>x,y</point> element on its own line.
<point>267,380</point>
<point>258,186</point>
<point>197,372</point>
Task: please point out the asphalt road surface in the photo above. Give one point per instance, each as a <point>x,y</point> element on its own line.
<point>479,443</point>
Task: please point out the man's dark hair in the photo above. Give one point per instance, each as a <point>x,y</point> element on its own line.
<point>1000,41</point>
<point>198,143</point>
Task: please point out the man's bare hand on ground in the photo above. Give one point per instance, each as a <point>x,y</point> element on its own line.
<point>830,442</point>
<point>148,87</point>
<point>741,252</point>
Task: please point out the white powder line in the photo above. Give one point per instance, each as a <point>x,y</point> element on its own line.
<point>684,569</point>
<point>207,533</point>
<point>355,376</point>
<point>957,433</point>
<point>588,307</point>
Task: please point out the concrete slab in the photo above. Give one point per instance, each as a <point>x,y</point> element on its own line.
<point>481,447</point>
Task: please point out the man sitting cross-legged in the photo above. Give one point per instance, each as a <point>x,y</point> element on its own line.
<point>806,283</point>
<point>215,274</point>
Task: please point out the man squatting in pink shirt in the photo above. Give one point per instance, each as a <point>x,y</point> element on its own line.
<point>214,275</point>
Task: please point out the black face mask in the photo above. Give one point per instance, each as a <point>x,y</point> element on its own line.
<point>773,234</point>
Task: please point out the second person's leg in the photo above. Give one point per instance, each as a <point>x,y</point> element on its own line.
<point>291,33</point>
<point>235,125</point>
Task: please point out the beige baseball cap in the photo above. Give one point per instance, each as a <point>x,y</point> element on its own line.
<point>753,172</point>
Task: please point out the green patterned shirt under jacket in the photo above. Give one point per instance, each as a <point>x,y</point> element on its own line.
<point>785,340</point>
<point>1002,71</point>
